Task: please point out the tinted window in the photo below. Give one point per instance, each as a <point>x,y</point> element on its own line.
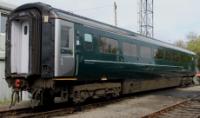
<point>108,45</point>
<point>186,58</point>
<point>159,53</point>
<point>169,56</point>
<point>129,49</point>
<point>66,46</point>
<point>155,51</point>
<point>177,57</point>
<point>3,23</point>
<point>145,52</point>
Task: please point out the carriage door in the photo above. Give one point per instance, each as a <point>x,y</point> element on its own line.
<point>20,47</point>
<point>64,56</point>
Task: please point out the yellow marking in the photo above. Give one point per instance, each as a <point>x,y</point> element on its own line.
<point>64,79</point>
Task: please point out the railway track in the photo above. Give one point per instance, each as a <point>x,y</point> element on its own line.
<point>186,109</point>
<point>189,108</point>
<point>42,112</point>
<point>14,112</point>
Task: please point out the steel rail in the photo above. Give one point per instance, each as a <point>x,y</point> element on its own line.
<point>42,112</point>
<point>13,112</point>
<point>178,107</point>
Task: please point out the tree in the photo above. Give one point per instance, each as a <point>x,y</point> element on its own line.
<point>193,45</point>
<point>181,44</point>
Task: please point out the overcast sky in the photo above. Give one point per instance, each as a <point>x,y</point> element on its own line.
<point>173,19</point>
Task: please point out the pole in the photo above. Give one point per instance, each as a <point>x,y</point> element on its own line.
<point>146,16</point>
<point>115,12</point>
<point>152,18</point>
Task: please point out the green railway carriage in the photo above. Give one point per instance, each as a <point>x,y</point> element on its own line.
<point>117,55</point>
<point>55,55</point>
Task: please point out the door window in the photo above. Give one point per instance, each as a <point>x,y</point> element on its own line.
<point>25,30</point>
<point>66,43</point>
<point>3,23</point>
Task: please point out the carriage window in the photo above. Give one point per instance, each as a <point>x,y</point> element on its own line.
<point>159,54</point>
<point>65,42</point>
<point>185,58</point>
<point>129,49</point>
<point>155,52</point>
<point>169,56</point>
<point>145,52</point>
<point>3,23</point>
<point>88,38</point>
<point>176,57</point>
<point>108,45</point>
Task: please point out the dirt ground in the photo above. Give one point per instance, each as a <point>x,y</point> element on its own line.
<point>140,105</point>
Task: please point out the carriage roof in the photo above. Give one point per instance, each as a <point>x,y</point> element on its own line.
<point>57,13</point>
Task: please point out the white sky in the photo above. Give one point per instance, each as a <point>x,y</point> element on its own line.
<point>173,19</point>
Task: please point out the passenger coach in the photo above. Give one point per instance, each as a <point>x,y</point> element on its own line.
<point>59,55</point>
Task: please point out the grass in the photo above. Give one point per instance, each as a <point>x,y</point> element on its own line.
<point>4,102</point>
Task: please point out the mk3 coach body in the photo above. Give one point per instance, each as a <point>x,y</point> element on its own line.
<point>56,54</point>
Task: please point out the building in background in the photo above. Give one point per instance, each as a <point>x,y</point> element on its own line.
<point>5,9</point>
